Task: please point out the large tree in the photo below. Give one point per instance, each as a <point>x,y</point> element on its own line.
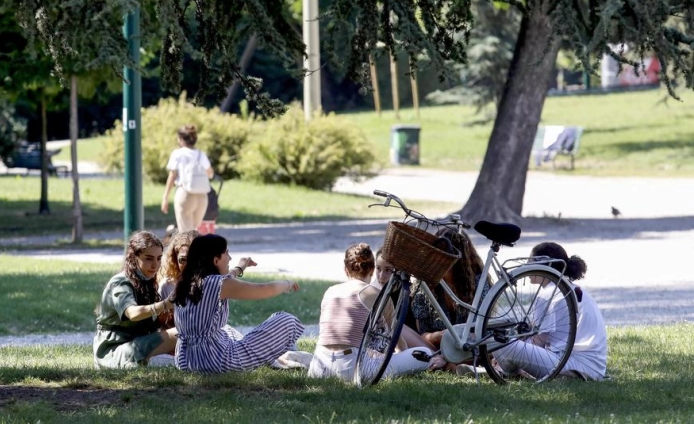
<point>422,28</point>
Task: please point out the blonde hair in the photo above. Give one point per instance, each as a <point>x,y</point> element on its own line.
<point>170,271</point>
<point>359,261</point>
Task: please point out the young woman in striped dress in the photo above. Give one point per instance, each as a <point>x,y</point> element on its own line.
<point>205,342</point>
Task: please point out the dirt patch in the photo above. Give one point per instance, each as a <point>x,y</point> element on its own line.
<point>63,399</point>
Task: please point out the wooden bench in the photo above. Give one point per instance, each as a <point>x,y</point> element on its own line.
<point>553,140</point>
<point>28,156</point>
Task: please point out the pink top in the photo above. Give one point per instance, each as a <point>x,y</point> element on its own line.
<point>343,315</point>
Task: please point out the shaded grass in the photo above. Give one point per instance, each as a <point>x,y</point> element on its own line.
<point>60,296</point>
<point>54,384</point>
<point>240,203</point>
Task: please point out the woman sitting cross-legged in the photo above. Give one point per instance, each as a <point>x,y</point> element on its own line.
<point>588,359</point>
<point>344,311</point>
<point>205,342</point>
<point>128,332</point>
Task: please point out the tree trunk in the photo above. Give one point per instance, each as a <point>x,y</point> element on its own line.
<point>44,209</point>
<point>77,226</point>
<point>498,193</point>
<point>245,61</point>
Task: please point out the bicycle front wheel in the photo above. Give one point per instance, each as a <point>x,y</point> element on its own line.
<point>382,331</point>
<point>532,326</point>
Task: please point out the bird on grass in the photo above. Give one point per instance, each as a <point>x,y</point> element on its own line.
<point>615,212</point>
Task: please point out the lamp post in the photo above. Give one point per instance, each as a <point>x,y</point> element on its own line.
<point>132,101</point>
<point>312,89</point>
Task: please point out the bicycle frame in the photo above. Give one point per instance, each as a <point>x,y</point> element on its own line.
<point>504,275</point>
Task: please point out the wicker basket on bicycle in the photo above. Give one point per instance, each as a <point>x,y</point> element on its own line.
<point>410,249</point>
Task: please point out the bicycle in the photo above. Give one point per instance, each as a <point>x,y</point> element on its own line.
<point>528,299</point>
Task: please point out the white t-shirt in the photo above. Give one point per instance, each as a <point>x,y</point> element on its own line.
<point>590,347</point>
<point>183,156</point>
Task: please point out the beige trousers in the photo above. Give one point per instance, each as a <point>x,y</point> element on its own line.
<point>190,209</point>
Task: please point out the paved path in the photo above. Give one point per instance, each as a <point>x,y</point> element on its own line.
<point>637,264</point>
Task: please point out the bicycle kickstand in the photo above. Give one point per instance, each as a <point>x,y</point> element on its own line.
<point>475,356</point>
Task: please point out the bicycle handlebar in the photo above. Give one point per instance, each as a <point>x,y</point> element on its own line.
<point>453,219</point>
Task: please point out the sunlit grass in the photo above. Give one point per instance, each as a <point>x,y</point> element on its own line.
<point>52,296</point>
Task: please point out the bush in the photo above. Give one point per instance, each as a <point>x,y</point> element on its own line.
<point>12,129</point>
<point>220,136</point>
<point>313,154</point>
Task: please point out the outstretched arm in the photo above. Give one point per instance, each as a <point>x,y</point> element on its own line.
<point>234,288</point>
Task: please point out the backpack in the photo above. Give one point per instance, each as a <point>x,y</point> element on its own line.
<point>194,178</point>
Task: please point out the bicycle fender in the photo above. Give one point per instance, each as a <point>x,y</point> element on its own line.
<point>500,286</point>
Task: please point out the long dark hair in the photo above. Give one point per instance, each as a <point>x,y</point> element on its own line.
<point>466,269</point>
<point>146,291</point>
<point>201,254</point>
<point>575,266</point>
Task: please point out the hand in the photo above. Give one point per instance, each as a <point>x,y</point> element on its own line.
<point>165,206</point>
<point>436,363</point>
<point>246,262</point>
<point>292,286</point>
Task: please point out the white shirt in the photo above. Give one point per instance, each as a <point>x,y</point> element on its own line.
<point>183,156</point>
<point>590,347</point>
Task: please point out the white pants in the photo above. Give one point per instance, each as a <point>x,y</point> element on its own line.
<point>326,363</point>
<point>190,209</point>
<point>536,360</point>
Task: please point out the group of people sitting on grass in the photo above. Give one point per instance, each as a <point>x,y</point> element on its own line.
<point>173,303</point>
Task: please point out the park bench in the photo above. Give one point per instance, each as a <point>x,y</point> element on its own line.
<point>28,156</point>
<point>553,140</point>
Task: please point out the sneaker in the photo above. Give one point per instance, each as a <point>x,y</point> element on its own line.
<point>465,369</point>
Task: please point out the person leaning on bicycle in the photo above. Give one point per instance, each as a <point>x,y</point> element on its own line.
<point>345,309</point>
<point>462,278</point>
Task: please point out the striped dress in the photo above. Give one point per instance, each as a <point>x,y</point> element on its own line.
<point>207,344</point>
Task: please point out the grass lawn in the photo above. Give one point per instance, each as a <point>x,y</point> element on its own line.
<point>625,134</point>
<point>651,369</point>
<point>240,203</point>
<point>60,296</point>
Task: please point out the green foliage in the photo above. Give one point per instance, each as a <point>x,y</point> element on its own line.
<point>491,49</point>
<point>220,136</point>
<point>12,128</point>
<point>311,154</point>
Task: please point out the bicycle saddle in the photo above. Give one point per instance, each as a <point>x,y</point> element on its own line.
<point>504,233</point>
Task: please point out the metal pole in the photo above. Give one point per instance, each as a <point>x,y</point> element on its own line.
<point>132,101</point>
<point>312,89</point>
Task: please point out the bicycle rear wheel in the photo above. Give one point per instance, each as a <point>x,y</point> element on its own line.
<point>533,323</point>
<point>382,331</point>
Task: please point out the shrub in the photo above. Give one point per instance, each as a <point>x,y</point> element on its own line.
<point>313,154</point>
<point>220,136</point>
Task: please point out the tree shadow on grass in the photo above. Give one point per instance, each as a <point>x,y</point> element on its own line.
<point>683,146</point>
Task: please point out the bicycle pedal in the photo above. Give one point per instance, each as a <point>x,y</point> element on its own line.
<point>501,338</point>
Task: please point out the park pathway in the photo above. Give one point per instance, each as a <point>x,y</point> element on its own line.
<point>637,268</point>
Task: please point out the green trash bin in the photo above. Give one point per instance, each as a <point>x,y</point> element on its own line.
<point>404,144</point>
